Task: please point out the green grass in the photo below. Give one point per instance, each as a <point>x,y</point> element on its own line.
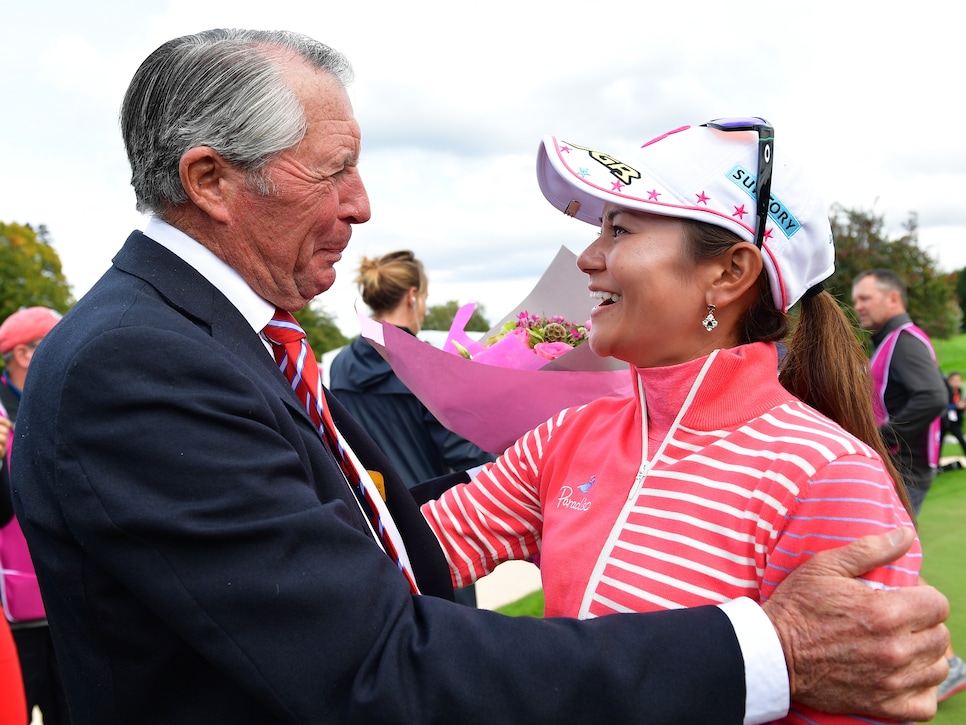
<point>943,542</point>
<point>529,606</point>
<point>941,530</point>
<point>951,353</point>
<point>943,539</point>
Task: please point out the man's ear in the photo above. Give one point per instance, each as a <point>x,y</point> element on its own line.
<point>22,355</point>
<point>735,272</point>
<point>208,180</point>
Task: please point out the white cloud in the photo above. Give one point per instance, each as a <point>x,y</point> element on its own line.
<point>453,101</point>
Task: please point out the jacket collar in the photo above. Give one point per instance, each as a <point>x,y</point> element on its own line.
<point>219,273</point>
<point>893,324</point>
<point>194,296</point>
<point>741,384</point>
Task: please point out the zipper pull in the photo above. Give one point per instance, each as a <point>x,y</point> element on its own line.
<point>638,480</point>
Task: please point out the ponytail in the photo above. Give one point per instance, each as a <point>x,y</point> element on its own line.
<point>826,367</point>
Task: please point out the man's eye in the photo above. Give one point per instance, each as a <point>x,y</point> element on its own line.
<point>617,231</point>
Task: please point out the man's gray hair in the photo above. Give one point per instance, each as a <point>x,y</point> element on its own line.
<point>220,88</point>
<point>887,279</point>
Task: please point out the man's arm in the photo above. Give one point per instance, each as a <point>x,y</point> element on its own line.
<point>188,489</point>
<point>216,528</point>
<point>851,649</point>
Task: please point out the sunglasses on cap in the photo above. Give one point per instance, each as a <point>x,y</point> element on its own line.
<point>766,140</point>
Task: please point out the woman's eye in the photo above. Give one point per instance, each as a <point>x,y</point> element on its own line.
<point>617,231</point>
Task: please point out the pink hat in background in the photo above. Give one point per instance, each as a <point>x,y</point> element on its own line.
<point>26,325</point>
<point>707,174</point>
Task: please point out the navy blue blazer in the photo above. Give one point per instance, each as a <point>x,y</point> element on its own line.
<point>202,559</point>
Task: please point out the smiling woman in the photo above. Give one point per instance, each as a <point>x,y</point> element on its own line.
<point>651,325</point>
<point>740,453</point>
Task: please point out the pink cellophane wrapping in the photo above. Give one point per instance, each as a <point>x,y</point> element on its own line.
<point>493,406</point>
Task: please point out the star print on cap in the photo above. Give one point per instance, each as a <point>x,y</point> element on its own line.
<point>702,173</point>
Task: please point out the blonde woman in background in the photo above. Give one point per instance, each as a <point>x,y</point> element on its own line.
<point>395,288</point>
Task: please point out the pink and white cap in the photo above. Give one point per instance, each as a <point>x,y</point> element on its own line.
<point>701,173</point>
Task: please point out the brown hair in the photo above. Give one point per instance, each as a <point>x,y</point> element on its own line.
<point>824,365</point>
<point>384,281</point>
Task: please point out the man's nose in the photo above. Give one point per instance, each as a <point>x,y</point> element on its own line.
<point>355,201</point>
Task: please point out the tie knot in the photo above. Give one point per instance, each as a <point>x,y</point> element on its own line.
<point>283,329</point>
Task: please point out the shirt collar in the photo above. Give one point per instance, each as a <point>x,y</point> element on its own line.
<point>890,326</point>
<point>256,310</point>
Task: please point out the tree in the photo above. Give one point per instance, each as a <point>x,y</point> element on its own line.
<point>320,329</point>
<point>440,317</point>
<point>861,244</point>
<point>961,293</point>
<point>32,273</point>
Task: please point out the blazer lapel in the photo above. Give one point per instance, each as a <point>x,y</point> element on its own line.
<point>429,564</point>
<point>194,296</point>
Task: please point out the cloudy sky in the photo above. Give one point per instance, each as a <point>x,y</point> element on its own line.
<point>454,97</point>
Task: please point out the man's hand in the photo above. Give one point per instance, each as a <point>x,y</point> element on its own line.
<point>852,649</point>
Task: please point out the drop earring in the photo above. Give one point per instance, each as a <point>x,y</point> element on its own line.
<point>709,322</point>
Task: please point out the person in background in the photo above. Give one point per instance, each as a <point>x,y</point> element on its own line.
<point>20,334</point>
<point>716,479</point>
<point>6,501</point>
<point>395,288</point>
<point>13,703</point>
<point>910,395</point>
<point>910,391</point>
<point>201,512</point>
<point>952,420</point>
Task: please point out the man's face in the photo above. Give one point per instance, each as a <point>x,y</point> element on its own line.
<point>285,243</point>
<point>874,304</point>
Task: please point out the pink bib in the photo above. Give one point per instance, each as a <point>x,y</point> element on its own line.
<point>881,360</point>
<point>18,581</point>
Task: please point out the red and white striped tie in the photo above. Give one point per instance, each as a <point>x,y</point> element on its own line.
<point>296,360</point>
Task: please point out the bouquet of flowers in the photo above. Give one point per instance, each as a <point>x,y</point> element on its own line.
<point>527,342</point>
<point>491,394</point>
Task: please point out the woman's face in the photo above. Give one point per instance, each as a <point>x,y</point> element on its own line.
<point>652,296</point>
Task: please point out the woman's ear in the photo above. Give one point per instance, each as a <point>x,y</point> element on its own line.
<point>734,273</point>
<point>207,179</point>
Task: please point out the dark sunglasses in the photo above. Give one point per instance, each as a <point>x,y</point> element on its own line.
<point>766,140</point>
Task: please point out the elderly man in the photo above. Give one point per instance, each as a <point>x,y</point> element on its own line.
<point>202,515</point>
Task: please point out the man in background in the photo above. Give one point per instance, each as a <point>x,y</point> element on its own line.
<point>910,397</point>
<point>910,392</point>
<point>952,420</point>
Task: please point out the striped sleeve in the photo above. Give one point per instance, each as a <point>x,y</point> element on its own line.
<point>844,500</point>
<point>495,517</point>
<point>850,497</point>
